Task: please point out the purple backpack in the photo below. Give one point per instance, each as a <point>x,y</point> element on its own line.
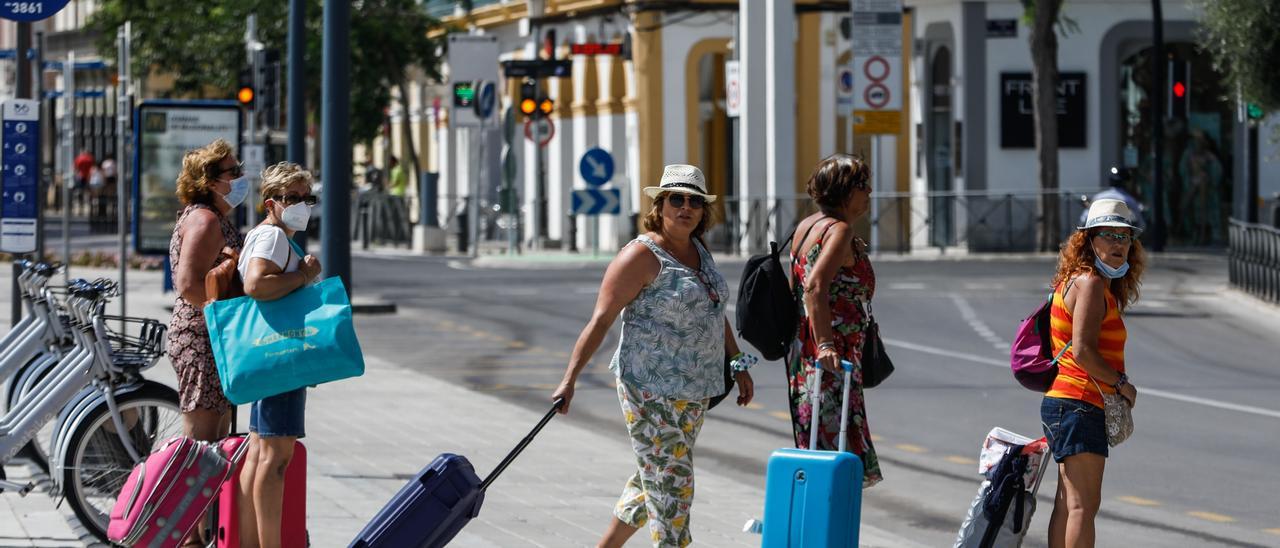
<point>1031,357</point>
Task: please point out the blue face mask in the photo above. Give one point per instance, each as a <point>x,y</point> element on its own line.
<point>1107,271</point>
<point>239,191</point>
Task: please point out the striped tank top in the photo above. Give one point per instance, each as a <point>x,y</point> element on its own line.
<point>1072,381</point>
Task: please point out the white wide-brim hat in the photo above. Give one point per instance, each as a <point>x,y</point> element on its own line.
<point>682,178</point>
<point>1109,212</point>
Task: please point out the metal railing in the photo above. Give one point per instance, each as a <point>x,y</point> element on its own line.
<point>1254,260</point>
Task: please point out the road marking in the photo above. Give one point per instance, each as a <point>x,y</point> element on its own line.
<point>754,405</point>
<point>910,448</point>
<point>1260,411</point>
<point>960,460</point>
<point>975,322</point>
<point>517,344</point>
<point>906,286</point>
<point>781,415</point>
<point>1275,531</point>
<point>1137,500</point>
<point>586,290</point>
<point>877,437</point>
<point>1210,516</point>
<point>982,286</point>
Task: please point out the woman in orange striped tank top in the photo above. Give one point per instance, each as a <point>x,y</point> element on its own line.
<point>1099,270</point>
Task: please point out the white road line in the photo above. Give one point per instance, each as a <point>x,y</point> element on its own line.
<point>979,326</point>
<point>1260,411</point>
<point>906,286</point>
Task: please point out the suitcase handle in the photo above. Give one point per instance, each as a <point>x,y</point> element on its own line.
<point>555,407</point>
<point>816,399</point>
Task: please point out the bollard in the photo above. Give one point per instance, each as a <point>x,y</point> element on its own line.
<point>364,224</point>
<point>461,219</point>
<point>571,231</point>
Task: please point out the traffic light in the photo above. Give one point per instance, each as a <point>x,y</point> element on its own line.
<point>1179,89</point>
<point>533,102</point>
<point>545,106</point>
<point>268,98</point>
<point>245,93</point>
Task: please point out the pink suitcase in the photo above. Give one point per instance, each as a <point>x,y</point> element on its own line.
<point>293,526</point>
<point>167,493</point>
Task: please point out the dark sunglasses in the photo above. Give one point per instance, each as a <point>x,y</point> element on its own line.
<point>236,171</point>
<point>678,200</point>
<point>291,199</point>
<point>711,289</point>
<point>1116,237</point>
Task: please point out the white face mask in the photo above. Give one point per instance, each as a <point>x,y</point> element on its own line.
<point>239,191</point>
<point>296,216</point>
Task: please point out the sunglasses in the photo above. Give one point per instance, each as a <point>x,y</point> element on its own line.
<point>236,171</point>
<point>1115,237</point>
<point>291,199</point>
<point>711,289</point>
<point>678,200</point>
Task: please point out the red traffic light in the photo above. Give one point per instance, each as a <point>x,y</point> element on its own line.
<point>1179,90</point>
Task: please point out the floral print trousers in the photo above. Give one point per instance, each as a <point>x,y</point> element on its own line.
<point>660,493</point>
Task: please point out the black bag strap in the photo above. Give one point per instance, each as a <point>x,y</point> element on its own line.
<point>506,461</point>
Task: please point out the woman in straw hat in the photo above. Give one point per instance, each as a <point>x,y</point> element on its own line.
<point>1099,270</point>
<point>670,360</point>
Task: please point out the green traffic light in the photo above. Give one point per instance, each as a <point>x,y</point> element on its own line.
<point>1255,111</point>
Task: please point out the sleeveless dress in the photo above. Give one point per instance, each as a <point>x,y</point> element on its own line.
<point>852,285</point>
<point>188,342</point>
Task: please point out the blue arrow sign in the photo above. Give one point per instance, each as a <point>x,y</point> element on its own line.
<point>486,98</point>
<point>596,166</point>
<point>19,131</point>
<point>595,201</point>
<point>30,10</point>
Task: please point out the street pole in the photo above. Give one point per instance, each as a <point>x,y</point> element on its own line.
<point>875,186</point>
<point>473,205</point>
<point>1158,65</point>
<point>123,109</point>
<point>24,92</point>
<point>336,142</point>
<point>253,49</point>
<point>41,181</point>
<point>69,156</point>
<point>297,101</point>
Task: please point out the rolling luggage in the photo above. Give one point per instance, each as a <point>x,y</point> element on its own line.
<point>814,498</point>
<point>999,516</point>
<point>165,495</point>
<point>439,502</point>
<point>293,519</point>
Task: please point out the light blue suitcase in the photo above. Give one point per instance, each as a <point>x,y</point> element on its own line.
<point>813,499</point>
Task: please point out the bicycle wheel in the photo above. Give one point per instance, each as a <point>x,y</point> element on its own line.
<point>96,463</point>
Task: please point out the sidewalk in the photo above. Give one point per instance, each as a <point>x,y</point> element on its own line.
<point>368,436</point>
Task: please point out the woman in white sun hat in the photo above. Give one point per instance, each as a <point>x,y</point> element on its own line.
<point>670,360</point>
<point>1099,270</point>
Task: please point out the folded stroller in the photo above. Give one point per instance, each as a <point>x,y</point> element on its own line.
<point>1013,466</point>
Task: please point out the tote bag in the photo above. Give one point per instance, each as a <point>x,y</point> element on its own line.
<point>265,348</point>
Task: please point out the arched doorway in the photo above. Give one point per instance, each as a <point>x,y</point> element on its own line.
<point>940,175</point>
<point>1198,138</point>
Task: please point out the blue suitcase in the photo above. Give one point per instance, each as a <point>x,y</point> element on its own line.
<point>813,499</point>
<point>438,503</point>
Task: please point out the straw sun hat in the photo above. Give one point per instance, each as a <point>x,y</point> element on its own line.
<point>682,178</point>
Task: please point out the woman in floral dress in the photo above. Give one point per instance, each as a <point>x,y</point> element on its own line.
<point>834,279</point>
<point>670,361</point>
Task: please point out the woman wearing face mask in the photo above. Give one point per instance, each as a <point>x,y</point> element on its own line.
<point>1099,271</point>
<point>210,185</point>
<point>273,266</point>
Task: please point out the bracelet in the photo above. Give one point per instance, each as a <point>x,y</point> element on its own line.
<point>827,346</point>
<point>742,362</point>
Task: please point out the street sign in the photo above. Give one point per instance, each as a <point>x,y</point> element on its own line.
<point>21,137</point>
<point>597,201</point>
<point>844,91</point>
<point>255,159</point>
<point>531,68</point>
<point>30,10</point>
<point>539,130</point>
<point>486,98</point>
<point>596,166</point>
<point>595,48</point>
<point>877,63</point>
<point>732,89</point>
<point>471,58</point>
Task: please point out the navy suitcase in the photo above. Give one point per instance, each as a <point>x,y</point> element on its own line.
<point>813,499</point>
<point>439,502</point>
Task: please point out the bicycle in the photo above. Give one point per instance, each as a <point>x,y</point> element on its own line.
<point>105,416</point>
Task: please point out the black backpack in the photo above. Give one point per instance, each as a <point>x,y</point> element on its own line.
<point>767,315</point>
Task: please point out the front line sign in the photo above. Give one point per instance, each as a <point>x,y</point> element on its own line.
<point>21,139</point>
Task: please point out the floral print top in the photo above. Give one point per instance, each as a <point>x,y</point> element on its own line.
<point>673,332</point>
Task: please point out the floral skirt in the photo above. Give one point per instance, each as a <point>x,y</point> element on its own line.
<point>660,493</point>
<point>800,370</point>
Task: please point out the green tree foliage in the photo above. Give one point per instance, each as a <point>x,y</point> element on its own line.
<point>1244,38</point>
<point>201,45</point>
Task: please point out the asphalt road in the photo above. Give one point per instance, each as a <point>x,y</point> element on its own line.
<point>1200,469</point>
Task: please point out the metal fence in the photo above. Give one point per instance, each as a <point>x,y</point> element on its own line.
<point>1254,260</point>
<point>907,222</point>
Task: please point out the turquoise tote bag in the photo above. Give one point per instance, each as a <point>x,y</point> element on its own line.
<point>264,348</point>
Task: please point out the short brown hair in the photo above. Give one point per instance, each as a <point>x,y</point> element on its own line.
<point>653,219</point>
<point>283,175</point>
<point>835,178</point>
<point>199,169</point>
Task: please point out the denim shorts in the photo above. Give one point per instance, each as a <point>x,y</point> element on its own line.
<point>1073,427</point>
<point>280,415</point>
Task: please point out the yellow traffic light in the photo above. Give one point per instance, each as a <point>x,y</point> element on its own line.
<point>245,95</point>
<point>528,106</point>
<point>546,106</point>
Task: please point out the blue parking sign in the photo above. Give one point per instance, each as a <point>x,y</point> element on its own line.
<point>30,10</point>
<point>20,135</point>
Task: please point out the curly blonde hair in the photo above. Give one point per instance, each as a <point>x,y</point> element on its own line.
<point>278,177</point>
<point>199,169</point>
<point>1076,258</point>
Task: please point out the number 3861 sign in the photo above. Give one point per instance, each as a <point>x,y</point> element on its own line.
<point>30,10</point>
